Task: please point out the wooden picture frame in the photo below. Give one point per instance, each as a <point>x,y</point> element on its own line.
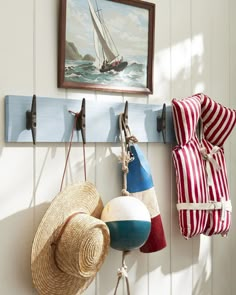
<point>130,24</point>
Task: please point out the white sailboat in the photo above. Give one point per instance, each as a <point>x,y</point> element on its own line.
<point>105,48</point>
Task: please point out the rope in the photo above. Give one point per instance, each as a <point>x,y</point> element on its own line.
<point>122,273</point>
<point>125,158</point>
<point>76,116</point>
<point>126,155</point>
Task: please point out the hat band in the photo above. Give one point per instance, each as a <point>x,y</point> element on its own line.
<point>55,243</point>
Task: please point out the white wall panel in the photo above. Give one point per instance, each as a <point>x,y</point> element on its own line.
<point>200,80</point>
<point>195,42</point>
<point>16,162</point>
<point>16,219</point>
<point>16,46</point>
<point>180,81</point>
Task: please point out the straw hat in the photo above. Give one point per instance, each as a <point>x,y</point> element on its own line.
<point>71,243</point>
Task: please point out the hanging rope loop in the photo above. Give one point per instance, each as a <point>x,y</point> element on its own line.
<point>126,156</point>
<point>76,117</point>
<point>122,273</point>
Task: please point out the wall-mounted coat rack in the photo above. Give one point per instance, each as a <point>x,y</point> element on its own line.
<point>54,120</point>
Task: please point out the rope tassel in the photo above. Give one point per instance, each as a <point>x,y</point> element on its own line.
<point>122,273</point>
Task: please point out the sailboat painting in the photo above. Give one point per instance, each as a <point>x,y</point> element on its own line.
<point>106,45</point>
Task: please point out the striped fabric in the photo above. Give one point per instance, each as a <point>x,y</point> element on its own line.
<point>218,221</point>
<point>187,113</point>
<point>201,176</point>
<point>218,121</point>
<point>191,187</point>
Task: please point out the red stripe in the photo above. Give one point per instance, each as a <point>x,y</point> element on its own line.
<point>219,137</point>
<point>185,116</point>
<point>156,240</point>
<point>188,159</point>
<point>222,123</point>
<point>213,121</point>
<point>216,124</point>
<point>179,176</point>
<point>208,117</point>
<point>206,106</point>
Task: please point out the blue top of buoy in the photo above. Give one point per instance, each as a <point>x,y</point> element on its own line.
<point>139,177</point>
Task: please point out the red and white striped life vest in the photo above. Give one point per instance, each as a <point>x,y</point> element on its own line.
<point>203,193</point>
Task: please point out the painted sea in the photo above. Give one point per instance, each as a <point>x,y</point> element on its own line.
<point>134,75</point>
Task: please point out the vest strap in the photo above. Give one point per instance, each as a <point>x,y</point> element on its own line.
<point>223,205</point>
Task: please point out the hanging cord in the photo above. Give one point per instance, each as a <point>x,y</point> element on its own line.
<point>76,116</point>
<point>125,158</point>
<point>126,155</point>
<point>122,273</point>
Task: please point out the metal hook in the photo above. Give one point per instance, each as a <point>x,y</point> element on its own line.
<point>80,125</point>
<point>125,127</point>
<point>125,119</point>
<point>31,121</point>
<point>161,123</point>
<point>199,130</point>
<point>80,121</point>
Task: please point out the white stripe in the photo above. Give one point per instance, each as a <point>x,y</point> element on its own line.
<point>222,137</point>
<point>209,112</point>
<point>148,197</point>
<point>219,124</point>
<point>191,180</point>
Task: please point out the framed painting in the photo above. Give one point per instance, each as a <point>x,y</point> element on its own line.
<point>106,45</point>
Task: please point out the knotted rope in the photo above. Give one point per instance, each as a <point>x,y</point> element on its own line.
<point>126,155</point>
<point>122,273</point>
<point>125,158</point>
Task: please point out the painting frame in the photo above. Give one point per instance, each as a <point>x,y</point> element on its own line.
<point>143,8</point>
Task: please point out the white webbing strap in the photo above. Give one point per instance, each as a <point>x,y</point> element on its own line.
<point>223,206</point>
<point>209,159</point>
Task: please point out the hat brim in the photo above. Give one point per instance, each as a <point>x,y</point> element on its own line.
<point>47,277</point>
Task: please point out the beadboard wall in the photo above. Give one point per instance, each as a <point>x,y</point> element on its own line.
<point>195,45</point>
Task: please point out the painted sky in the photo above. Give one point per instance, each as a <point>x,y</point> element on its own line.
<point>128,25</point>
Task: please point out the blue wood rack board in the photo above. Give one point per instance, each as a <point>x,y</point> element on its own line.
<point>54,122</point>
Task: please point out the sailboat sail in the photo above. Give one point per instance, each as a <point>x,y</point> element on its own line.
<point>110,60</point>
<point>110,56</point>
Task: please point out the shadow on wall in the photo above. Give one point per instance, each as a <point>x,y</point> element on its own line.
<point>203,284</point>
<point>17,233</point>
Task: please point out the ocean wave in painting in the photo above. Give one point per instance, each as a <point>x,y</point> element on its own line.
<point>134,75</point>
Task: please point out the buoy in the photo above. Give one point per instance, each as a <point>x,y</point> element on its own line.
<point>129,222</point>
